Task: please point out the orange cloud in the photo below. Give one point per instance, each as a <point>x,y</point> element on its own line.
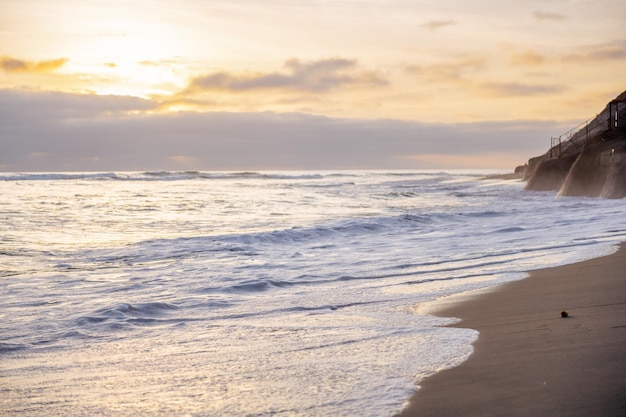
<point>160,63</point>
<point>527,58</point>
<point>311,76</point>
<point>449,71</point>
<point>518,89</point>
<point>466,74</point>
<point>541,15</point>
<point>607,52</point>
<point>437,24</point>
<point>10,64</point>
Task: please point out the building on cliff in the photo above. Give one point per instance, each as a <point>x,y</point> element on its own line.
<point>589,160</point>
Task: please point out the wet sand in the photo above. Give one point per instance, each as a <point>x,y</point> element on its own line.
<point>528,360</point>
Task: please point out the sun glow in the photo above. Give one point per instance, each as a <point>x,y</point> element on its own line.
<point>141,79</point>
<point>400,61</point>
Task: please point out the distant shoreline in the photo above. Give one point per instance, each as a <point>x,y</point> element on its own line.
<point>509,176</point>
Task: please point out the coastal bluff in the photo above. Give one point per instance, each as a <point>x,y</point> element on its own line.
<point>589,162</point>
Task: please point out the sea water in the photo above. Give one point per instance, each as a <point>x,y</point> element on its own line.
<point>258,293</point>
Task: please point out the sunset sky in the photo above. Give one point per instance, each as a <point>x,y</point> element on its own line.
<point>302,84</point>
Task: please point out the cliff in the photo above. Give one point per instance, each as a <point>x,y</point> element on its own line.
<point>591,161</point>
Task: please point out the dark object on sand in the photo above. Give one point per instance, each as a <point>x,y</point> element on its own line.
<point>564,314</point>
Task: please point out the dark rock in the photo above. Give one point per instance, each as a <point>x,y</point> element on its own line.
<point>550,174</point>
<point>521,170</point>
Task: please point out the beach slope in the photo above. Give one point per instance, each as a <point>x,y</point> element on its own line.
<point>530,361</point>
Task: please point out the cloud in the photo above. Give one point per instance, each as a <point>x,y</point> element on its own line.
<point>606,52</point>
<point>527,58</point>
<point>541,15</point>
<point>437,24</point>
<point>483,160</point>
<point>184,161</point>
<point>65,107</point>
<point>613,51</point>
<point>519,89</point>
<point>449,71</point>
<point>465,74</point>
<point>9,64</point>
<point>105,137</point>
<point>311,76</point>
<point>161,62</point>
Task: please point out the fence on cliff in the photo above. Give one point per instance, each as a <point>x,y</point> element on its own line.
<point>612,117</point>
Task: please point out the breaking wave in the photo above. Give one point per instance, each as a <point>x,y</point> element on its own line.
<point>155,176</point>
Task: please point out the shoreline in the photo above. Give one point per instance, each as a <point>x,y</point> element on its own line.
<point>530,361</point>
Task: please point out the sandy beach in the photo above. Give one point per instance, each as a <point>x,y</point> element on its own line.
<point>528,360</point>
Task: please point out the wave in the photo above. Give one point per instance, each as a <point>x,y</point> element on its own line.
<point>57,176</point>
<point>257,286</point>
<point>133,310</point>
<point>400,177</point>
<point>11,347</point>
<point>509,230</point>
<point>123,315</point>
<point>155,176</point>
<point>332,234</point>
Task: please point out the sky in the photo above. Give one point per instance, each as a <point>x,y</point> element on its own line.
<point>94,85</point>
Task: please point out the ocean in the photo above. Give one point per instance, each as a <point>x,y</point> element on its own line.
<point>259,293</point>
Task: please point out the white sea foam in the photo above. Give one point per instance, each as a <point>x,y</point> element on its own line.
<point>282,293</point>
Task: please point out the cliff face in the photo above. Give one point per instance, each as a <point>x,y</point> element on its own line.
<point>591,165</point>
<point>599,171</point>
